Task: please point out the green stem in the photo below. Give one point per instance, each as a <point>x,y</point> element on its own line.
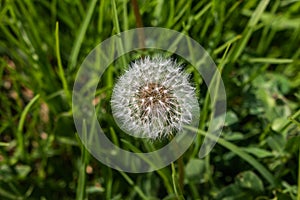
<point>60,67</point>
<point>80,192</point>
<point>81,33</point>
<point>135,187</point>
<point>298,196</point>
<point>20,134</point>
<point>176,186</point>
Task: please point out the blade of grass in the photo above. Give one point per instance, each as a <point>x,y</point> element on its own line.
<point>60,67</point>
<point>117,30</point>
<point>125,16</point>
<point>289,122</point>
<point>101,16</point>
<point>177,192</point>
<point>205,111</point>
<point>205,30</point>
<point>109,182</point>
<point>184,9</point>
<point>160,172</point>
<point>80,7</point>
<point>20,137</point>
<point>236,52</point>
<point>14,37</point>
<point>232,9</point>
<point>265,39</point>
<point>115,16</point>
<point>294,121</point>
<point>271,60</point>
<point>8,195</point>
<point>215,90</point>
<point>267,62</point>
<point>170,13</point>
<point>203,11</point>
<point>298,196</point>
<point>241,153</point>
<point>135,187</point>
<point>4,144</point>
<point>229,42</point>
<point>80,191</point>
<point>29,14</point>
<point>81,34</point>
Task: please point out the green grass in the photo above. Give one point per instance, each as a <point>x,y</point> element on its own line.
<point>255,44</point>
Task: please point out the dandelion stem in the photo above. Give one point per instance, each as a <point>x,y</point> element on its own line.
<point>181,172</point>
<point>174,179</point>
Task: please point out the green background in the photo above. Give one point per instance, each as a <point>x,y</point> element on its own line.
<point>255,44</point>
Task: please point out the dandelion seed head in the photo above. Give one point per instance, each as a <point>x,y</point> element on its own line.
<point>153,98</point>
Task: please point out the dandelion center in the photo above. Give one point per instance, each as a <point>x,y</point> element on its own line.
<point>154,101</point>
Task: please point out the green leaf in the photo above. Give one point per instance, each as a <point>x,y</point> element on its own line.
<point>247,185</point>
<point>249,180</point>
<point>238,151</point>
<point>23,170</point>
<point>260,153</point>
<point>195,170</point>
<point>278,123</point>
<point>94,189</point>
<point>233,136</point>
<point>276,142</point>
<point>231,118</point>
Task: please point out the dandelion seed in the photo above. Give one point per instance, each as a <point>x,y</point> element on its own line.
<point>158,95</point>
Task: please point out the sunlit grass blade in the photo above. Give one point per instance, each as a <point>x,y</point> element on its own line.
<point>228,43</point>
<point>4,144</point>
<point>271,60</point>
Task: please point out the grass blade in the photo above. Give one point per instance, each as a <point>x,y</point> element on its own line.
<point>271,60</point>
<point>60,67</point>
<point>238,151</point>
<point>20,138</point>
<point>135,187</point>
<point>298,196</point>
<point>249,30</point>
<point>81,34</point>
<point>80,191</point>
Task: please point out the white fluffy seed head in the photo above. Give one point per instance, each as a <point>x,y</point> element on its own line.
<point>153,98</point>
